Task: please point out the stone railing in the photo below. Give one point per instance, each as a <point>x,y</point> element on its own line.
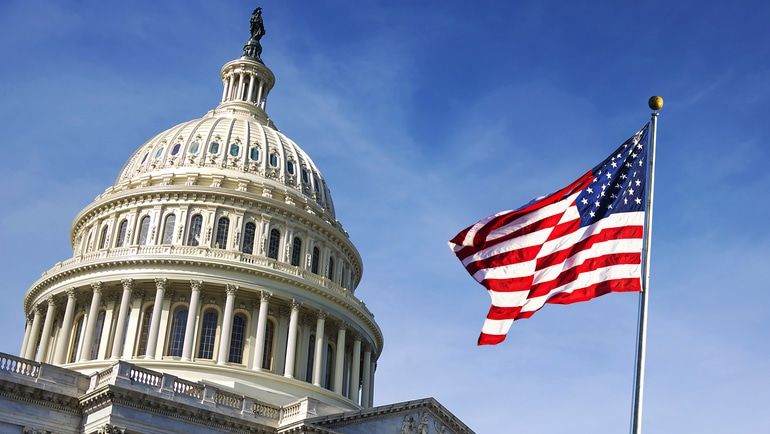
<point>188,388</point>
<point>228,399</point>
<point>219,254</point>
<point>20,366</point>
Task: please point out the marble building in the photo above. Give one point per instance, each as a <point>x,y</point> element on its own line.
<point>211,289</point>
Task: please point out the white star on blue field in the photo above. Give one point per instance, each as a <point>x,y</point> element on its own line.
<point>425,117</point>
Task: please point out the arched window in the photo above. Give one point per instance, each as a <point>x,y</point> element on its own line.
<point>254,153</point>
<point>273,159</point>
<point>208,335</point>
<point>290,167</point>
<point>235,149</point>
<point>122,233</point>
<point>214,148</point>
<point>329,366</point>
<point>272,246</point>
<point>330,271</point>
<point>175,149</point>
<point>178,326</point>
<point>248,237</point>
<point>194,233</point>
<point>97,335</point>
<point>88,243</point>
<point>103,238</point>
<point>296,249</point>
<point>194,147</point>
<point>76,335</point>
<point>267,355</point>
<point>222,227</point>
<point>315,260</point>
<point>144,331</point>
<point>168,229</point>
<point>144,230</point>
<point>236,339</point>
<point>310,358</point>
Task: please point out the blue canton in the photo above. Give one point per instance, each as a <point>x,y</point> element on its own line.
<point>619,183</point>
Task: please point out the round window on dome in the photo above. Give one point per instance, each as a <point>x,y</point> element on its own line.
<point>305,176</point>
<point>175,149</point>
<point>195,147</point>
<point>235,149</point>
<point>290,167</point>
<point>159,152</point>
<point>274,160</point>
<point>254,153</point>
<point>214,148</point>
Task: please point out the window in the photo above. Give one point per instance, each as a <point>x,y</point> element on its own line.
<point>236,339</point>
<point>88,243</point>
<point>267,355</point>
<point>214,148</point>
<point>76,339</point>
<point>248,237</point>
<point>314,260</point>
<point>290,167</point>
<point>175,149</point>
<point>103,238</point>
<point>208,334</point>
<point>144,331</point>
<point>330,271</point>
<point>144,230</point>
<point>194,234</point>
<point>222,227</point>
<point>254,153</point>
<point>195,147</point>
<point>178,325</point>
<point>122,232</point>
<point>97,335</point>
<point>168,229</point>
<point>273,159</point>
<point>296,249</point>
<point>305,176</point>
<point>158,153</point>
<point>272,247</point>
<point>235,149</point>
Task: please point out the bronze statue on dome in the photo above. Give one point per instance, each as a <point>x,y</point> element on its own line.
<point>253,48</point>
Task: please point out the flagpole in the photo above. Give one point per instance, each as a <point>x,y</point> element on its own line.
<point>655,103</point>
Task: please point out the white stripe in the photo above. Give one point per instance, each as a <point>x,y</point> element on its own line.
<point>532,217</point>
<point>623,271</point>
<point>468,241</point>
<point>496,326</point>
<point>536,238</point>
<point>612,221</point>
<point>520,269</point>
<point>508,298</point>
<point>628,245</point>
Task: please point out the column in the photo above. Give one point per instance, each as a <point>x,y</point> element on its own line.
<point>165,314</point>
<point>251,88</point>
<point>371,384</point>
<point>291,343</point>
<point>109,313</point>
<point>282,336</point>
<point>133,323</point>
<point>239,91</point>
<point>227,324</point>
<point>367,374</point>
<point>93,313</point>
<point>45,339</point>
<point>302,359</point>
<point>25,341</point>
<point>60,354</point>
<point>339,359</point>
<point>152,338</point>
<point>355,376</point>
<point>259,93</point>
<point>230,80</point>
<point>259,344</point>
<point>319,349</point>
<point>224,93</point>
<point>192,314</point>
<point>120,328</point>
<point>34,334</point>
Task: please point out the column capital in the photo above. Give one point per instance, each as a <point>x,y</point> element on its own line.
<point>195,285</point>
<point>51,301</point>
<point>343,325</point>
<point>127,284</point>
<point>97,287</point>
<point>321,314</point>
<point>71,292</point>
<point>295,305</point>
<point>231,289</point>
<point>264,296</point>
<point>160,283</point>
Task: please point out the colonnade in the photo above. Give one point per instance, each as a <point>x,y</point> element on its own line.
<point>119,322</point>
<point>244,85</point>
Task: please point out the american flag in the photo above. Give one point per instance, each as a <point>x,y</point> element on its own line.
<point>578,243</point>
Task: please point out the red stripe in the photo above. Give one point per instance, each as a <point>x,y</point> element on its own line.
<point>590,264</point>
<point>459,238</point>
<point>530,228</point>
<point>563,229</point>
<point>623,232</point>
<point>504,219</point>
<point>486,339</point>
<point>498,312</point>
<point>509,284</point>
<point>506,258</point>
<point>631,284</point>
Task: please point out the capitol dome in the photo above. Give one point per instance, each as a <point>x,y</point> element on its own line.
<point>216,257</point>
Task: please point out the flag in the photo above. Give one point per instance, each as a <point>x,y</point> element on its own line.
<point>578,243</point>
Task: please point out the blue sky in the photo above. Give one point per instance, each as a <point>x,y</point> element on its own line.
<point>425,117</point>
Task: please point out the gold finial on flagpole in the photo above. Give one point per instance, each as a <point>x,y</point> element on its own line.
<point>655,103</point>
